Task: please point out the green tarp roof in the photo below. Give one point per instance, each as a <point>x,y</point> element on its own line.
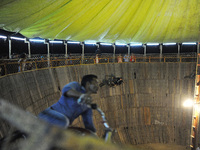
<point>104,20</point>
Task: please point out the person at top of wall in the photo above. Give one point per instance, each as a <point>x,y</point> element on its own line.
<point>97,59</point>
<point>119,58</point>
<point>132,58</point>
<point>126,58</point>
<point>22,62</point>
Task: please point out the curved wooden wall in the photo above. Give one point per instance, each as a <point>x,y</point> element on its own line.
<point>146,108</point>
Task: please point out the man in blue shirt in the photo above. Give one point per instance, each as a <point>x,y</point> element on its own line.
<point>73,102</point>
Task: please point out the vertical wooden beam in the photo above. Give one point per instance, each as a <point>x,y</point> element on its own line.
<point>121,99</point>
<point>195,116</point>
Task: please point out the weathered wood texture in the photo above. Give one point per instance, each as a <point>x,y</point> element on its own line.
<point>146,108</point>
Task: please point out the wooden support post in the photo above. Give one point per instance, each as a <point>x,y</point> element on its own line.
<point>195,118</point>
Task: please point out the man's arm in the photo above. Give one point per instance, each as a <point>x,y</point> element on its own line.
<point>84,98</point>
<point>88,121</point>
<point>72,93</point>
<point>72,89</point>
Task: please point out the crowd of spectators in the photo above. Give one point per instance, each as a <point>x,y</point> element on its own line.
<point>21,62</point>
<point>126,58</point>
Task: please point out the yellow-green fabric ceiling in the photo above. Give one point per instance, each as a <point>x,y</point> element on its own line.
<point>104,20</point>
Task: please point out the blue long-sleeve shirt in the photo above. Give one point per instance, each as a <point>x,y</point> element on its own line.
<point>70,108</point>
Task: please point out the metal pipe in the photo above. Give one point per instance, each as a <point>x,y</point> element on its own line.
<point>83,51</point>
<point>129,50</point>
<point>114,47</point>
<point>161,51</point>
<point>29,47</point>
<point>9,50</point>
<point>48,52</point>
<point>145,49</point>
<point>65,44</point>
<point>97,45</point>
<point>179,49</point>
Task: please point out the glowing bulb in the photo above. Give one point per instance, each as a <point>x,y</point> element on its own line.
<point>188,103</point>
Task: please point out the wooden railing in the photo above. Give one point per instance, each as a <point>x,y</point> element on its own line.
<point>8,67</point>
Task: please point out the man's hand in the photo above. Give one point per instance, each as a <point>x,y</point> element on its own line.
<point>84,99</point>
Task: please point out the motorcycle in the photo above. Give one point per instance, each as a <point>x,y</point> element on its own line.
<point>107,131</point>
<point>13,138</point>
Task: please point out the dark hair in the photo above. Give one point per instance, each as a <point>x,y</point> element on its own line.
<point>87,78</point>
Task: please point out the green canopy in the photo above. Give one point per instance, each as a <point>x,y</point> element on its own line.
<point>104,20</point>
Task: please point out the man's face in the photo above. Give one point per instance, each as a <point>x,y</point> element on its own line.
<point>93,86</point>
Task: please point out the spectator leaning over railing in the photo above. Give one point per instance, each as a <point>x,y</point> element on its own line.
<point>29,66</point>
<point>2,67</point>
<point>15,56</point>
<point>126,58</point>
<point>55,62</point>
<point>69,57</point>
<point>97,59</point>
<point>41,62</point>
<point>119,58</point>
<point>22,62</point>
<point>132,58</point>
